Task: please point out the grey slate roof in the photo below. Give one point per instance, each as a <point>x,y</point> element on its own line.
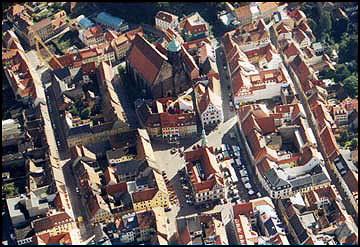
<point>320,178</point>
<point>79,130</point>
<point>61,73</point>
<point>194,224</point>
<point>131,166</point>
<point>270,227</point>
<point>274,179</point>
<point>208,65</point>
<point>298,228</point>
<point>74,94</point>
<point>301,182</point>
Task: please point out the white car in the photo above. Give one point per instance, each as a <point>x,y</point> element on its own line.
<point>251,192</point>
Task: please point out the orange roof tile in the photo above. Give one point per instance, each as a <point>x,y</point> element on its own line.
<point>266,6</point>
<point>51,221</point>
<point>329,143</point>
<point>243,12</point>
<point>145,58</point>
<point>165,16</point>
<point>146,195</point>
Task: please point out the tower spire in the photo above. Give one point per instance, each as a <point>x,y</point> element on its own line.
<point>204,141</point>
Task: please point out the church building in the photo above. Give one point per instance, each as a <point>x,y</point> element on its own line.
<point>165,73</point>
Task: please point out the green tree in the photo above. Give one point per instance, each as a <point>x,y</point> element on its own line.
<point>351,85</point>
<point>73,110</point>
<point>312,24</point>
<point>344,137</point>
<point>342,72</point>
<point>10,189</point>
<point>85,113</point>
<point>354,143</point>
<point>324,23</point>
<point>339,28</point>
<point>348,48</point>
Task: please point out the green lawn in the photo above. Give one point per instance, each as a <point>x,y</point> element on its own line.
<point>66,41</point>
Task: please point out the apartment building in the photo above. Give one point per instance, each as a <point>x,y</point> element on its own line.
<point>258,212</point>
<point>165,20</point>
<point>92,36</point>
<point>203,170</point>
<point>193,27</point>
<point>167,118</point>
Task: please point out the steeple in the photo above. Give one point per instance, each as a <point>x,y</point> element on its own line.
<point>204,141</point>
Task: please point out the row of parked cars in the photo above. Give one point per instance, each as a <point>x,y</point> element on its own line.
<point>234,153</point>
<point>186,186</point>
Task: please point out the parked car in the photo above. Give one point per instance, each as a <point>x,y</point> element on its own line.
<point>167,209</point>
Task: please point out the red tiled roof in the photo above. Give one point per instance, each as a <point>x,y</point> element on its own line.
<point>93,32</point>
<point>184,236</point>
<point>110,35</point>
<point>8,54</point>
<point>165,16</point>
<point>306,155</point>
<point>207,98</point>
<point>132,34</point>
<point>292,50</point>
<point>62,238</point>
<point>112,189</point>
<point>264,166</point>
<point>266,6</point>
<point>190,63</point>
<point>329,143</point>
<point>15,10</point>
<point>266,124</point>
<point>243,111</point>
<point>88,53</point>
<point>194,29</point>
<point>304,27</point>
<point>207,184</point>
<point>239,81</point>
<point>243,12</point>
<point>254,140</point>
<point>299,35</point>
<point>297,15</point>
<point>145,58</point>
<point>208,160</point>
<point>282,28</point>
<point>302,70</point>
<point>176,120</point>
<point>88,68</point>
<point>249,124</point>
<point>195,43</point>
<point>51,221</point>
<point>350,104</point>
<point>243,209</point>
<point>228,42</point>
<point>146,195</point>
<point>351,179</point>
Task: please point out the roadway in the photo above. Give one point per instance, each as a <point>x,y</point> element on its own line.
<point>59,145</point>
<point>76,202</point>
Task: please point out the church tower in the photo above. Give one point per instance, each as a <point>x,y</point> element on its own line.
<point>174,52</point>
<point>178,69</point>
<point>204,141</point>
